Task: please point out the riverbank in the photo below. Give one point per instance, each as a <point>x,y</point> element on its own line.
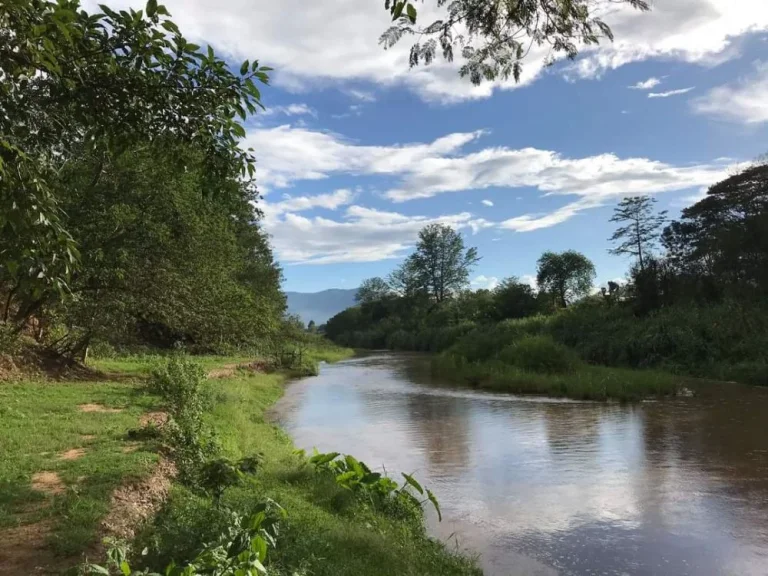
<point>582,383</point>
<point>85,454</point>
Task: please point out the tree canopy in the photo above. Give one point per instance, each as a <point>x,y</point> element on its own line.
<point>567,275</point>
<point>641,228</point>
<point>494,38</point>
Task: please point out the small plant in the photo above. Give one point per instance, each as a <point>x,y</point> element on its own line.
<point>241,550</point>
<point>354,475</point>
<point>191,442</point>
<point>219,474</point>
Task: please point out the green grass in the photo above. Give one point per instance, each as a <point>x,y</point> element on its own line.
<point>584,382</point>
<point>327,532</point>
<point>142,364</point>
<point>39,420</point>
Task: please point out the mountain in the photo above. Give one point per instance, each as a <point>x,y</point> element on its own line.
<point>320,306</point>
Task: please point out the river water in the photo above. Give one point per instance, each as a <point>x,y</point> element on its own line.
<point>543,487</point>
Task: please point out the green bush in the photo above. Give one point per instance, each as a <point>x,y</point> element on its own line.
<point>540,354</point>
<point>10,343</point>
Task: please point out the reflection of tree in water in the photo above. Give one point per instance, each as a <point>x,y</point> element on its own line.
<point>571,429</point>
<point>442,425</point>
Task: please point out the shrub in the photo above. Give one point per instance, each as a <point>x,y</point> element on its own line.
<point>540,354</point>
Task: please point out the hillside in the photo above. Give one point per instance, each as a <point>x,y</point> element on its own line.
<point>320,306</point>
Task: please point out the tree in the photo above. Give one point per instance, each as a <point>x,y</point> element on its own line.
<point>441,264</point>
<point>723,239</point>
<point>75,83</point>
<point>641,229</point>
<point>495,37</point>
<point>372,290</point>
<point>514,299</point>
<point>567,276</point>
<point>311,327</point>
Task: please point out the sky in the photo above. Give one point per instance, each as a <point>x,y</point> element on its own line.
<point>357,152</point>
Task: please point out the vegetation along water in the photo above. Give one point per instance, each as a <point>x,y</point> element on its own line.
<point>144,331</point>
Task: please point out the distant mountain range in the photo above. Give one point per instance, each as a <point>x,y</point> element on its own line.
<point>320,306</point>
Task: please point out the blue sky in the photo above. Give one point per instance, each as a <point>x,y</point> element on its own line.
<point>357,152</point>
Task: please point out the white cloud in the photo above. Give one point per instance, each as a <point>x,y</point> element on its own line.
<point>745,102</point>
<point>288,154</point>
<point>330,201</point>
<point>361,95</point>
<point>670,93</point>
<point>646,84</point>
<point>530,279</point>
<point>326,42</point>
<point>486,202</point>
<point>289,110</point>
<point>695,31</point>
<point>486,282</point>
<point>363,235</point>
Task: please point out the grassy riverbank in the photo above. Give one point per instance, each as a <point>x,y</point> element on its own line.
<point>84,454</point>
<point>583,383</point>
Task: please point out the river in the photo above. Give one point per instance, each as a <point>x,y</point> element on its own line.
<point>539,486</point>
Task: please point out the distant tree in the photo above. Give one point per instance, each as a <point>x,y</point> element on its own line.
<point>567,276</point>
<point>311,326</point>
<point>514,299</point>
<point>441,264</point>
<point>495,37</point>
<point>372,290</point>
<point>640,230</point>
<point>722,240</point>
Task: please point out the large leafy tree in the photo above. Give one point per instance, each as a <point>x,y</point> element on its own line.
<point>514,299</point>
<point>372,290</point>
<point>75,82</point>
<point>723,238</point>
<point>568,275</point>
<point>440,265</point>
<point>494,37</point>
<point>640,228</point>
<point>167,254</point>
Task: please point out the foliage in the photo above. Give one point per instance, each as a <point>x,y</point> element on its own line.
<point>439,267</point>
<point>241,550</point>
<point>568,276</point>
<point>495,37</point>
<point>182,385</point>
<point>372,289</point>
<point>513,299</point>
<point>540,354</point>
<point>641,229</point>
<point>355,476</point>
<point>76,83</point>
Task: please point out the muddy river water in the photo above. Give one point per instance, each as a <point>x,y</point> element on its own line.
<point>539,486</point>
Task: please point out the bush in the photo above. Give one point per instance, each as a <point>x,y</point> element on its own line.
<point>540,354</point>
<point>10,343</point>
<point>182,384</point>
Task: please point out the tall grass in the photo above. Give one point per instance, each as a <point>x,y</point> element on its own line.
<point>584,383</point>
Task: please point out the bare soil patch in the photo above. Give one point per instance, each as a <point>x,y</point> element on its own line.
<point>156,419</point>
<point>23,550</point>
<point>48,483</point>
<point>72,454</point>
<point>134,503</point>
<point>97,408</point>
<point>131,447</point>
<point>231,369</point>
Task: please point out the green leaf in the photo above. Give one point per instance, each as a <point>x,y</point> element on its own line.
<point>96,569</point>
<point>398,10</point>
<point>244,68</point>
<point>151,8</point>
<point>412,482</point>
<point>435,504</point>
<point>259,547</point>
<point>412,13</point>
<point>125,569</point>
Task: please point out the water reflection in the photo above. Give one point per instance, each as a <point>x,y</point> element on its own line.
<point>543,487</point>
